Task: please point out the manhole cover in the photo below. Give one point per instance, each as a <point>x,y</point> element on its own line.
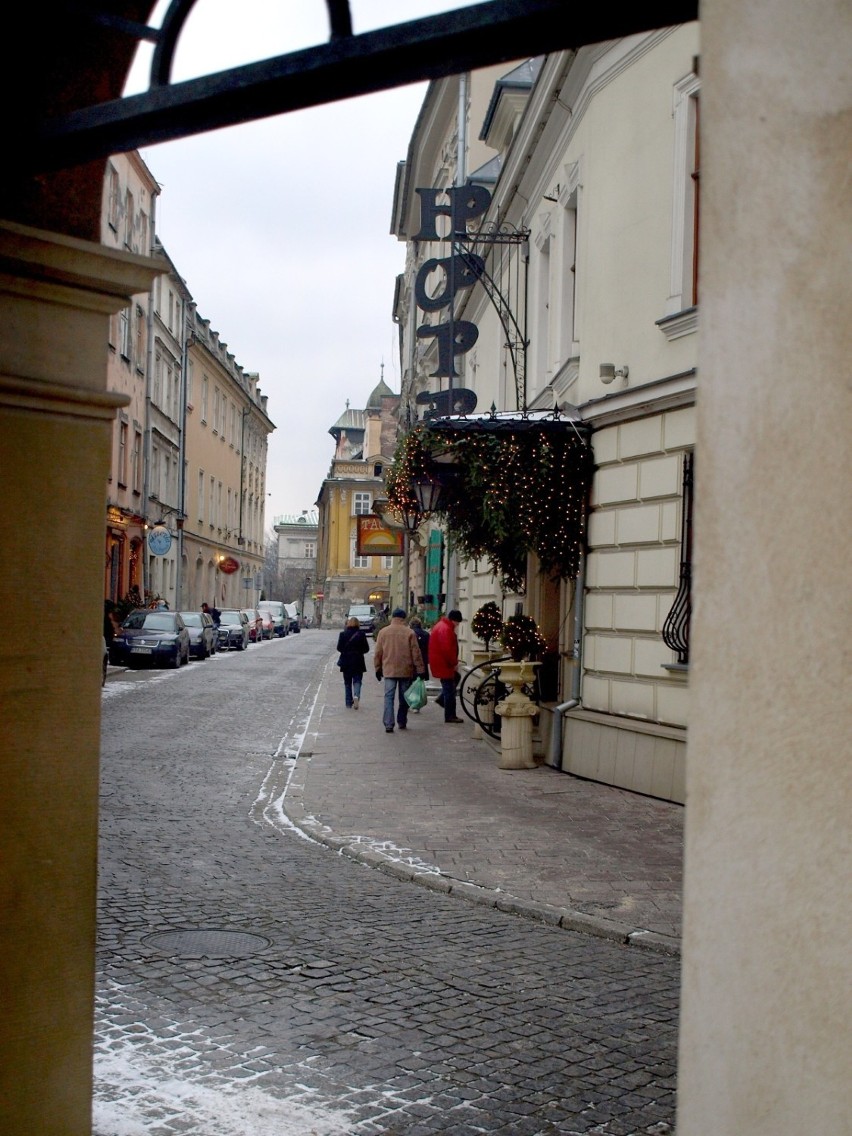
<point>213,944</point>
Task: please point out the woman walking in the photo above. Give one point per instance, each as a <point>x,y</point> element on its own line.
<point>353,646</point>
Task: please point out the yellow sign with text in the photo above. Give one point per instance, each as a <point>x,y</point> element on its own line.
<point>374,538</point>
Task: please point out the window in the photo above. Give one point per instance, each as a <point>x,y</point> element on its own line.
<point>137,461</point>
<point>361,503</point>
<point>128,221</point>
<point>387,563</point>
<point>310,550</point>
<point>201,496</point>
<point>203,398</point>
<point>140,339</point>
<point>681,317</point>
<point>143,234</point>
<point>114,193</point>
<point>676,626</point>
<point>211,512</point>
<point>216,406</point>
<point>155,471</point>
<point>122,453</point>
<point>360,561</point>
<point>189,377</point>
<point>124,332</point>
<point>158,379</point>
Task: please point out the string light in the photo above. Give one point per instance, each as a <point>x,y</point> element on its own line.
<point>513,493</point>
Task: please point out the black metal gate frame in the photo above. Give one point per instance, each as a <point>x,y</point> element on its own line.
<point>348,65</point>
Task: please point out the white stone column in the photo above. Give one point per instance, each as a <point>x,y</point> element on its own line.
<point>766,1030</point>
<point>56,295</point>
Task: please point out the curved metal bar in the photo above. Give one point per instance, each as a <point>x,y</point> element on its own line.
<point>339,19</point>
<point>177,14</point>
<point>179,11</point>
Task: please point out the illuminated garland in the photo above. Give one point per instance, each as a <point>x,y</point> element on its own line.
<point>487,623</point>
<point>510,493</point>
<point>521,638</point>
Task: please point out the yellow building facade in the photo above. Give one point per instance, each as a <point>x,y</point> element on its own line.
<point>365,442</point>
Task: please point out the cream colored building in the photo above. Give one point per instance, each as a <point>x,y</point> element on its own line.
<point>227,428</point>
<point>297,538</point>
<point>127,224</point>
<point>600,273</point>
<point>765,1030</point>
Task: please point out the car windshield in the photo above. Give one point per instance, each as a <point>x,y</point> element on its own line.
<point>192,618</point>
<point>230,617</point>
<point>150,620</point>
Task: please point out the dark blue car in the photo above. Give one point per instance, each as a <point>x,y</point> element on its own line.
<point>154,637</point>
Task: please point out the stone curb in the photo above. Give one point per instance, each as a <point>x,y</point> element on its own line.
<point>564,918</point>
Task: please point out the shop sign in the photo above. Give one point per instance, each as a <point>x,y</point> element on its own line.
<point>229,565</point>
<point>375,538</point>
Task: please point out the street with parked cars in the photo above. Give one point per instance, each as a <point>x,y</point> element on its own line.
<point>161,638</point>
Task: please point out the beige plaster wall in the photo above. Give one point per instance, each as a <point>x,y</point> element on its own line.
<point>55,428</point>
<point>766,1031</point>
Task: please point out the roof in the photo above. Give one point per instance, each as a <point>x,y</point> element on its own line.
<point>374,402</point>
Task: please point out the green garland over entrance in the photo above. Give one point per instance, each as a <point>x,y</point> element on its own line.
<point>512,487</point>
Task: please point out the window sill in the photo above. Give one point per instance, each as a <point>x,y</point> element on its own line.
<point>677,668</point>
<point>679,324</point>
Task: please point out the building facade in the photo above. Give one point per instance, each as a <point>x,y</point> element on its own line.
<point>296,562</point>
<point>364,445</point>
<point>764,1037</point>
<point>127,224</point>
<point>227,428</point>
<point>590,308</point>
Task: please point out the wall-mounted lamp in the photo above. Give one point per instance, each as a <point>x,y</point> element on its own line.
<point>609,372</point>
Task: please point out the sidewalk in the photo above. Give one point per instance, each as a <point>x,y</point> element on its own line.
<point>429,804</point>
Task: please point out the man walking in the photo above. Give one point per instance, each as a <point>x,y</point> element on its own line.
<point>444,661</point>
<point>397,659</point>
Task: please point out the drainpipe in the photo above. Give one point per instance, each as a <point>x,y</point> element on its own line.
<point>562,709</point>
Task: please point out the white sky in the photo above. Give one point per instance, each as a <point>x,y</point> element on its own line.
<point>281,228</point>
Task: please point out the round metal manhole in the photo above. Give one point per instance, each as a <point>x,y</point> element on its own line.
<point>212,944</point>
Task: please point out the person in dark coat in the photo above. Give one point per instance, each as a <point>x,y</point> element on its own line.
<point>422,637</point>
<point>353,646</point>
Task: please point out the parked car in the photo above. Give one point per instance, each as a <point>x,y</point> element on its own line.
<point>202,634</point>
<point>276,610</point>
<point>151,636</point>
<point>255,624</point>
<point>233,630</point>
<point>268,621</point>
<point>366,615</point>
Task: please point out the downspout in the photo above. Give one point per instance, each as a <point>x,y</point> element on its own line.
<point>562,709</point>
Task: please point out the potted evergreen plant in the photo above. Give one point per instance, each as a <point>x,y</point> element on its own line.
<point>487,624</point>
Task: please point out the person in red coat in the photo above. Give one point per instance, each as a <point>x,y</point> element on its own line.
<point>444,661</point>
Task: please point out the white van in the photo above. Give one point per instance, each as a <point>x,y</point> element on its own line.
<point>279,616</point>
<point>291,614</point>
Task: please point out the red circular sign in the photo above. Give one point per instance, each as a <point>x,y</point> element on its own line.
<point>229,565</point>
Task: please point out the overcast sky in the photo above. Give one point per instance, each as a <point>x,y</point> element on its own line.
<point>281,228</point>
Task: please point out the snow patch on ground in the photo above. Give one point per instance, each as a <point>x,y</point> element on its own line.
<point>143,1088</point>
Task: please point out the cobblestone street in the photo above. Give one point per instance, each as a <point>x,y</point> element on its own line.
<point>254,981</point>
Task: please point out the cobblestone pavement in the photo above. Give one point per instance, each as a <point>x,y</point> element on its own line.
<point>254,981</point>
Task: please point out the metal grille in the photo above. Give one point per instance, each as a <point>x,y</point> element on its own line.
<point>676,625</point>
